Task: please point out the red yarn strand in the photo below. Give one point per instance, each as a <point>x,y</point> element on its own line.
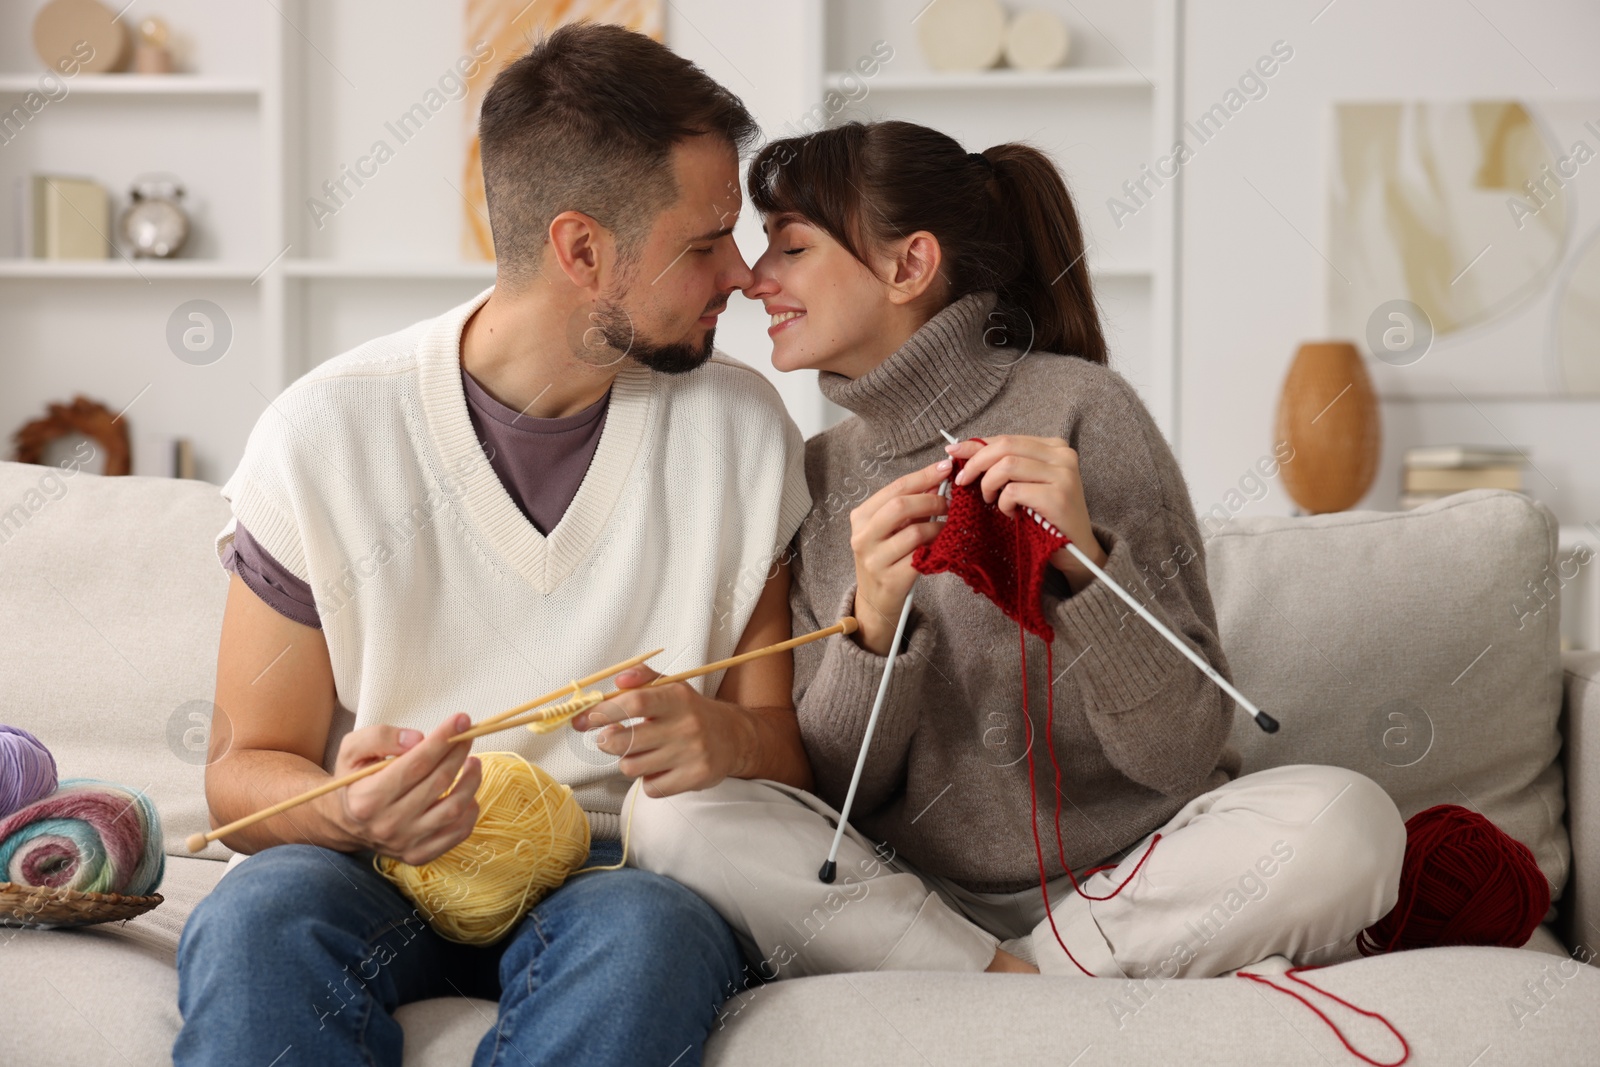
<point>1050,747</point>
<point>1290,974</point>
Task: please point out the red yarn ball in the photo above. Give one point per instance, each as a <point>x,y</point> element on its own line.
<point>1464,881</point>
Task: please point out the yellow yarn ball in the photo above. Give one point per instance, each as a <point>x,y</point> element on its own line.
<point>530,835</point>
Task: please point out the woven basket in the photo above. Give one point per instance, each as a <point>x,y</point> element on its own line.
<point>43,907</point>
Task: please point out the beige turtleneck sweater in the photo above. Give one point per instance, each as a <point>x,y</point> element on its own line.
<point>1139,730</point>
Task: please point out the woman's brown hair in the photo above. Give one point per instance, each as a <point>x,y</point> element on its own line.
<point>1004,219</point>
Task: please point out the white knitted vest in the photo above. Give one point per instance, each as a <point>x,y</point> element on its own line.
<point>436,594</point>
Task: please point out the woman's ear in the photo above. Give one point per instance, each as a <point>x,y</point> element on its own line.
<point>915,269</point>
<point>580,246</point>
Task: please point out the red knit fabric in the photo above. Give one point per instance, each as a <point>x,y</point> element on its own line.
<point>1002,557</point>
<point>1005,558</point>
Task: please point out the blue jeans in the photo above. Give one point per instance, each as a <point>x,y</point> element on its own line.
<point>304,953</point>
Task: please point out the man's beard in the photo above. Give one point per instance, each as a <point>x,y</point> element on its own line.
<point>678,358</point>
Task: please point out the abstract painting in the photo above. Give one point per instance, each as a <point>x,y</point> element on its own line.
<point>510,27</point>
<point>1486,216</point>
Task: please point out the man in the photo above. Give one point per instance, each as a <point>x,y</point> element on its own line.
<point>554,476</point>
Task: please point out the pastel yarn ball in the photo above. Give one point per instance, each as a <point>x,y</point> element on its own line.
<point>530,835</point>
<point>87,836</point>
<point>27,770</point>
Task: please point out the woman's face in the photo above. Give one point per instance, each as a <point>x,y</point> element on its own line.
<point>829,311</point>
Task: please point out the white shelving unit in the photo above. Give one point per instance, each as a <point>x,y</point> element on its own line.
<point>272,101</point>
<point>1110,110</point>
<point>99,328</point>
<point>286,96</point>
<point>313,268</point>
<point>141,85</point>
<point>1000,78</point>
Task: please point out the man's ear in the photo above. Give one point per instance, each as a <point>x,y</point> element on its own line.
<point>581,247</point>
<point>915,267</point>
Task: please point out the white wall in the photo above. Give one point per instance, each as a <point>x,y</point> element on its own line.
<point>765,53</point>
<point>1253,288</point>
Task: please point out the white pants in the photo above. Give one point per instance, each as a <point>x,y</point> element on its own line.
<point>1292,861</point>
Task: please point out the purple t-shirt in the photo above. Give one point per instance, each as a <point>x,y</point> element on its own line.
<point>541,463</point>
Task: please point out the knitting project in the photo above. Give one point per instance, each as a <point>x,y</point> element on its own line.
<point>1004,558</point>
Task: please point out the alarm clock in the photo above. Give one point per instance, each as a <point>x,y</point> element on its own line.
<point>155,224</point>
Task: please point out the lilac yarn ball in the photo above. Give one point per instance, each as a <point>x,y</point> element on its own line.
<point>27,770</point>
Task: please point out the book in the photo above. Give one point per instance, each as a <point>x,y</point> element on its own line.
<point>1435,456</point>
<point>1460,479</point>
<point>22,244</point>
<point>159,455</point>
<point>71,218</point>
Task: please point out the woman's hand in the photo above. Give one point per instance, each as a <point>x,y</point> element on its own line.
<point>1039,473</point>
<point>885,529</point>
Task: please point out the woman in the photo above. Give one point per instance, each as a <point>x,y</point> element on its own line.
<point>937,290</point>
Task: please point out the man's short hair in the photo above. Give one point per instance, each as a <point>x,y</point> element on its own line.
<point>586,121</point>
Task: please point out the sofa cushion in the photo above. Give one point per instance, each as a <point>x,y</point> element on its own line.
<point>1449,1003</point>
<point>108,994</point>
<point>101,994</point>
<point>114,665</point>
<point>1407,646</point>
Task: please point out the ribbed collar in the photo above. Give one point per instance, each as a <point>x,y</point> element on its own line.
<point>543,560</point>
<point>942,376</point>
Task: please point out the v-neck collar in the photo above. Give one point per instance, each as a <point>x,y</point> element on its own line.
<point>544,560</point>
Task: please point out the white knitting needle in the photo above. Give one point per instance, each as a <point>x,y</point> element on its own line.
<point>1263,720</point>
<point>830,865</point>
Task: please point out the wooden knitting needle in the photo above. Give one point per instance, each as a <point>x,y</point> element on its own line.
<point>196,842</point>
<point>504,721</point>
<point>571,688</point>
<point>846,625</point>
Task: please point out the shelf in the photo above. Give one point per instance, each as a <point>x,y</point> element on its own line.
<point>139,270</point>
<point>1065,78</point>
<point>328,268</point>
<point>134,85</point>
<point>1113,270</point>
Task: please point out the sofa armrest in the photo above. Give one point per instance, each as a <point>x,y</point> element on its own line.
<point>1580,725</point>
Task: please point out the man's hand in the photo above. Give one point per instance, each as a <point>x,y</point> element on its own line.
<point>687,741</point>
<point>401,811</point>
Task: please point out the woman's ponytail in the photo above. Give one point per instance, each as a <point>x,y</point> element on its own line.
<point>1050,287</point>
<point>868,184</point>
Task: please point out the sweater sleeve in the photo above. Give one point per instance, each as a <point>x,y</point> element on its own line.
<point>1161,721</point>
<point>836,682</point>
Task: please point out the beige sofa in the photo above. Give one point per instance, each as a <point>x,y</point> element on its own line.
<point>1407,646</point>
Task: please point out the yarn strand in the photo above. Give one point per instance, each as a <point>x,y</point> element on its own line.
<point>1290,974</point>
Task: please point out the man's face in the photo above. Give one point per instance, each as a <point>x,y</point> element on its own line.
<point>662,311</point>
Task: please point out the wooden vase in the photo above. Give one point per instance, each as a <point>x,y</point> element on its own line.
<point>1328,414</point>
